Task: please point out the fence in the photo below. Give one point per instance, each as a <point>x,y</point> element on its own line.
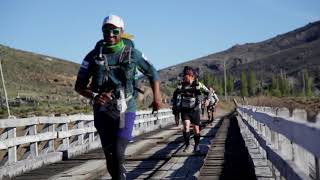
<point>289,142</point>
<point>30,143</point>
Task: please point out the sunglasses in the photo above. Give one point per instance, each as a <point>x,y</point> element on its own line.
<point>114,32</point>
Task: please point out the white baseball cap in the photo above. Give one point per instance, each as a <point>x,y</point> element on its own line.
<point>114,20</point>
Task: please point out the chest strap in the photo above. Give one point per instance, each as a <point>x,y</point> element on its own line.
<point>125,53</point>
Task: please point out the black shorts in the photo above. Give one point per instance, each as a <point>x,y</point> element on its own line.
<point>192,115</point>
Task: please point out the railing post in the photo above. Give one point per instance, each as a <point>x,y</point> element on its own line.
<point>264,130</point>
<point>65,140</point>
<point>299,115</point>
<point>91,135</point>
<point>247,118</point>
<point>80,125</point>
<point>281,142</point>
<point>49,127</point>
<point>274,140</point>
<point>12,151</point>
<point>299,158</point>
<point>34,145</point>
<point>259,129</point>
<point>51,148</point>
<point>268,135</point>
<point>302,158</point>
<point>285,147</point>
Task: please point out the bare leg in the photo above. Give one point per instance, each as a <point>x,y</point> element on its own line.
<point>186,132</point>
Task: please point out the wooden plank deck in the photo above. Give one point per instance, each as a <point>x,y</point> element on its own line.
<point>166,160</point>
<point>158,155</point>
<point>214,160</point>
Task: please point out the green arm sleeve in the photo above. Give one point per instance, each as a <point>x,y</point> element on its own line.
<point>203,88</point>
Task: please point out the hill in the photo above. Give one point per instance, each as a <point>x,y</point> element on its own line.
<point>44,83</point>
<point>47,82</point>
<point>290,53</point>
<point>37,76</point>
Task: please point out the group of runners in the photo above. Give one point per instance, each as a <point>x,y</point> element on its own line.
<point>190,100</point>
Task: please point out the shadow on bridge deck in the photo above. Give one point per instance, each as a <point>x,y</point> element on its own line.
<point>162,157</point>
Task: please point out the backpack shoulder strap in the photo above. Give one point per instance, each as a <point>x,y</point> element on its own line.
<point>126,53</point>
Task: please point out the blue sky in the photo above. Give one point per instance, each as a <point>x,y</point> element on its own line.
<point>168,32</point>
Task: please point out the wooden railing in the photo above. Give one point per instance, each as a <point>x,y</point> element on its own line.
<point>29,143</point>
<point>289,142</point>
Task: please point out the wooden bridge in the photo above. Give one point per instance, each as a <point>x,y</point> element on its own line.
<point>250,143</point>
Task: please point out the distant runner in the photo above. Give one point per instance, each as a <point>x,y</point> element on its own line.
<point>212,104</point>
<point>186,101</point>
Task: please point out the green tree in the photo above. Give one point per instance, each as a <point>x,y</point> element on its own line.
<point>217,85</point>
<point>284,85</point>
<point>208,78</point>
<point>274,83</point>
<point>307,84</point>
<point>275,91</point>
<point>212,81</point>
<point>252,83</point>
<point>244,84</point>
<point>230,84</point>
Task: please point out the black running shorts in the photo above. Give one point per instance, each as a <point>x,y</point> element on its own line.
<point>192,115</point>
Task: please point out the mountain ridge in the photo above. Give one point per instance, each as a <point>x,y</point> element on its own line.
<point>264,52</point>
<point>48,78</point>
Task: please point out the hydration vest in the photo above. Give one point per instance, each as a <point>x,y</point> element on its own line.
<point>189,95</point>
<point>108,77</point>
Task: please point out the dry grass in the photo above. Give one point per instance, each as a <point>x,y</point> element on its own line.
<point>311,105</point>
